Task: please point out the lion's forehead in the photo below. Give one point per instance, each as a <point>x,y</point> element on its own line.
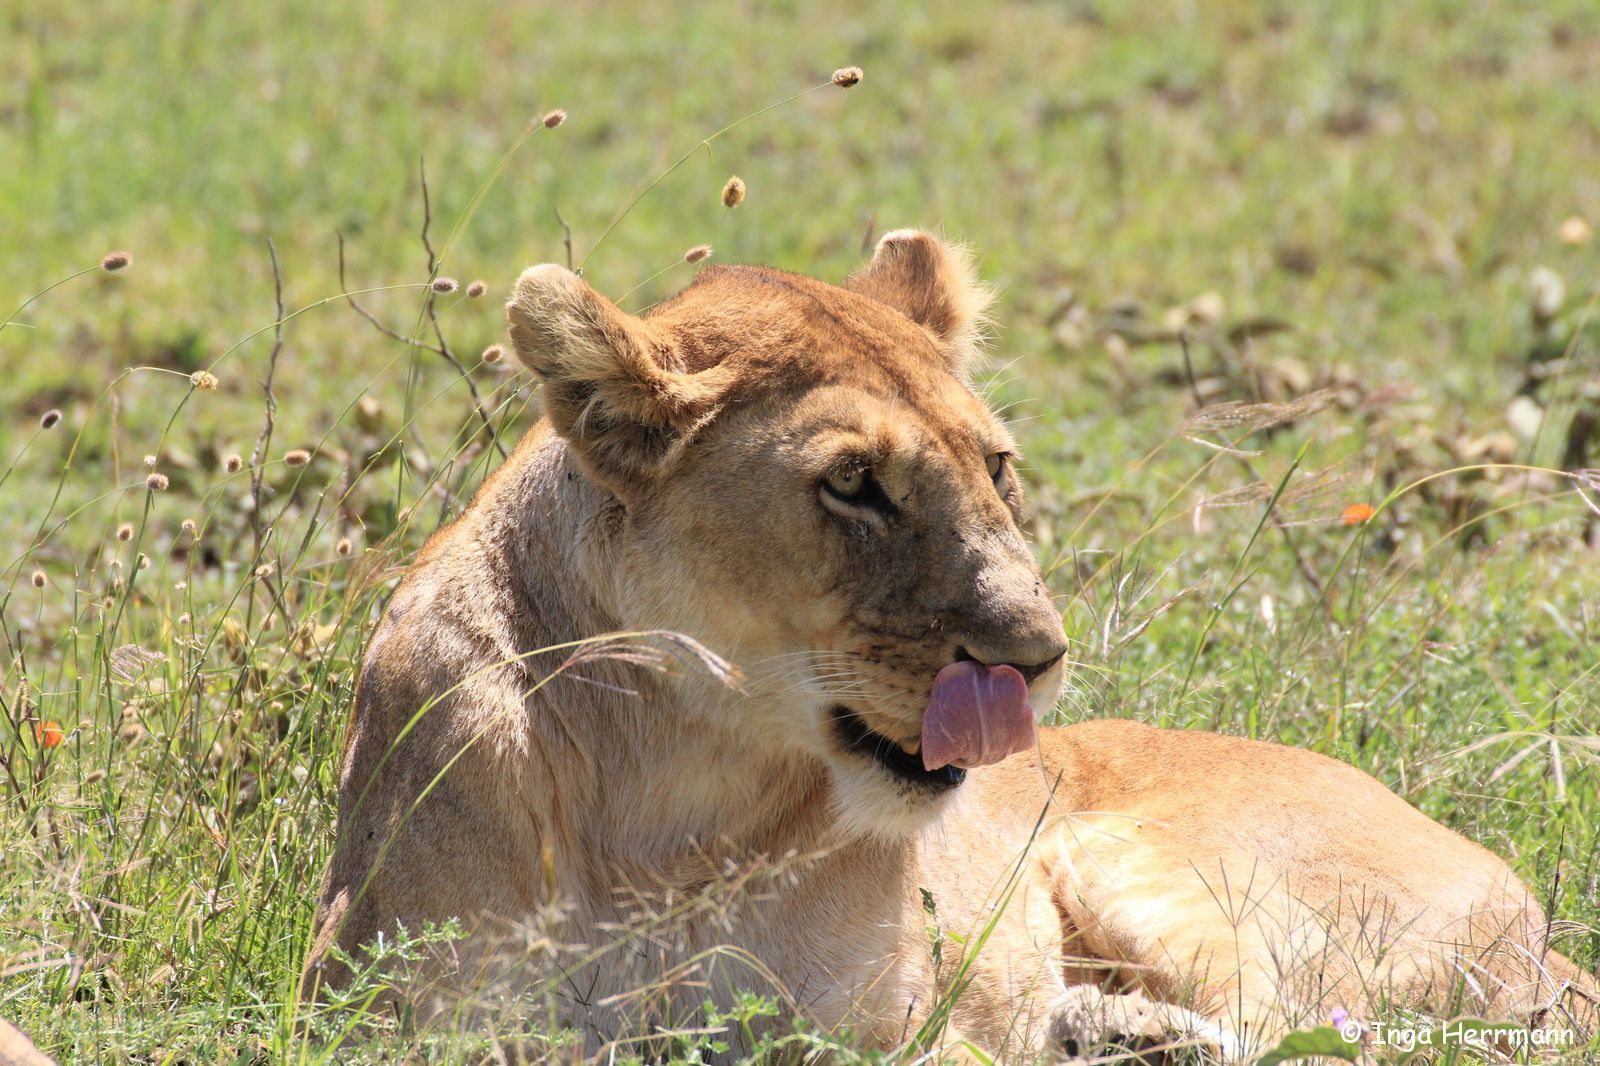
<point>850,421</point>
<point>828,371</point>
<point>769,323</point>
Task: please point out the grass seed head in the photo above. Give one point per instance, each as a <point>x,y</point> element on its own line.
<point>552,119</point>
<point>697,253</point>
<point>733,192</point>
<point>50,419</point>
<point>343,547</point>
<point>156,481</point>
<point>1575,229</point>
<point>445,284</point>
<point>150,462</point>
<point>264,570</point>
<point>125,532</point>
<point>493,354</point>
<point>190,528</point>
<point>1207,309</point>
<point>233,464</point>
<point>297,457</point>
<point>204,380</point>
<point>115,261</point>
<point>1547,292</point>
<point>845,77</point>
<point>477,289</point>
<point>38,579</point>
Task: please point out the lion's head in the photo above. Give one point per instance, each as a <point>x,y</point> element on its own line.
<point>808,485</point>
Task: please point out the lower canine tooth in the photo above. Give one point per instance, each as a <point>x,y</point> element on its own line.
<point>911,747</point>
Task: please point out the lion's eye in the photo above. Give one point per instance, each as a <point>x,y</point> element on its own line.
<point>997,467</point>
<point>847,484</point>
<point>858,490</point>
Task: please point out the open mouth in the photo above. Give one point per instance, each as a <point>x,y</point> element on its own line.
<point>855,736</point>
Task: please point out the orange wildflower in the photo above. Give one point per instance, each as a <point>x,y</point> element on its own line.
<point>1357,514</point>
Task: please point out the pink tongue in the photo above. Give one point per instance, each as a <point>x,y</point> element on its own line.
<point>976,715</point>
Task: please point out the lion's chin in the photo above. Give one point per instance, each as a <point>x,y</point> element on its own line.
<point>879,788</point>
<point>868,802</point>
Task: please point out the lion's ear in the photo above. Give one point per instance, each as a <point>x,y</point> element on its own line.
<point>612,386</point>
<point>932,283</point>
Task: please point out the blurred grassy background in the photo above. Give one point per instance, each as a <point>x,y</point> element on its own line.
<point>1391,201</point>
<point>1408,164</point>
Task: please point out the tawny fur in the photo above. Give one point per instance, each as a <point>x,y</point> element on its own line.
<point>674,486</point>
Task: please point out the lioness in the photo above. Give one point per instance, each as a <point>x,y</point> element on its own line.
<point>799,476</point>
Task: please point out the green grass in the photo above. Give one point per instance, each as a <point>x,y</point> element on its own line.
<point>1345,196</point>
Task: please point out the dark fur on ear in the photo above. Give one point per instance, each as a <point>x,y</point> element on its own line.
<point>932,283</point>
<point>612,385</point>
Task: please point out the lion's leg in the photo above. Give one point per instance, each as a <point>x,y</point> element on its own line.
<point>1573,997</point>
<point>402,864</point>
<point>1222,960</point>
<point>1272,889</point>
<point>1495,963</point>
<point>1244,947</point>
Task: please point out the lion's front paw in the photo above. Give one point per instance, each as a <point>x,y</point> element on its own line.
<point>1089,1022</point>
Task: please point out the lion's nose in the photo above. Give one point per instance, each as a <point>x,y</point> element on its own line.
<point>1029,670</point>
<point>1008,615</point>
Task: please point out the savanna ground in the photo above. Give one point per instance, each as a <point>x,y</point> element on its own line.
<point>1370,217</point>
